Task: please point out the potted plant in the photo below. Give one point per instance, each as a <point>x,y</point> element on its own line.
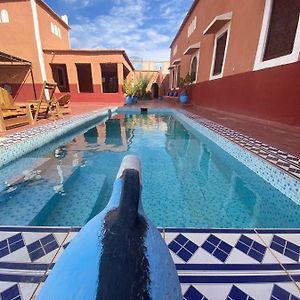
<point>184,84</point>
<point>128,90</point>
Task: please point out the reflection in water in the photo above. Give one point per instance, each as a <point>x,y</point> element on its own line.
<point>187,181</point>
<point>113,132</point>
<point>91,136</point>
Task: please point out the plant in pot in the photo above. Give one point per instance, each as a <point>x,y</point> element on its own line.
<point>184,86</point>
<point>128,90</point>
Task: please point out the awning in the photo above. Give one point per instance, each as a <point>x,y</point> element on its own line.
<point>7,58</point>
<point>192,49</point>
<point>176,62</point>
<point>15,71</point>
<point>217,23</point>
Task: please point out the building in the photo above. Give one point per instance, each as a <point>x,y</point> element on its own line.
<point>156,71</point>
<point>31,30</point>
<point>243,57</point>
<point>150,65</point>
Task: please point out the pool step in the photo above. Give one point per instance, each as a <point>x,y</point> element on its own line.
<point>75,207</point>
<point>27,200</point>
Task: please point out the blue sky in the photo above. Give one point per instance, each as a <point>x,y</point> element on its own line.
<point>144,28</point>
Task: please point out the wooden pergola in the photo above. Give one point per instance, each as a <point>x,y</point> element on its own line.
<point>9,60</point>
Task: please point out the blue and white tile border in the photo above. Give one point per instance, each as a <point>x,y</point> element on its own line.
<point>18,144</point>
<point>220,264</point>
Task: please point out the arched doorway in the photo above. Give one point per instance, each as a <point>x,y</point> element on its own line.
<point>154,90</point>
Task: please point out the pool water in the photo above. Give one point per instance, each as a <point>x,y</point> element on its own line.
<point>188,181</point>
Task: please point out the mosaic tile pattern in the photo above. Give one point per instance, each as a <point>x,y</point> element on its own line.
<point>23,142</point>
<point>285,247</point>
<point>278,175</point>
<point>283,160</point>
<point>203,276</point>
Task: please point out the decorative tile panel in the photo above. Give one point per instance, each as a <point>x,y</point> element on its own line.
<point>42,247</point>
<point>193,294</point>
<point>279,293</point>
<point>237,294</point>
<point>12,293</point>
<point>217,247</point>
<point>11,244</point>
<point>285,247</point>
<point>251,248</point>
<point>183,247</point>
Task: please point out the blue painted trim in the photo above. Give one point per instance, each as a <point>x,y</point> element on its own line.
<point>25,266</point>
<point>237,279</point>
<point>235,267</point>
<point>168,230</point>
<point>22,278</point>
<point>292,230</point>
<point>230,230</point>
<point>208,230</point>
<point>36,229</point>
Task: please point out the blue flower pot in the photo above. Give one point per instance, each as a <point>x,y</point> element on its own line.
<point>184,99</point>
<point>128,100</point>
<point>135,99</point>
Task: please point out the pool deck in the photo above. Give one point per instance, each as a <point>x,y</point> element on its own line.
<point>212,264</point>
<point>215,264</point>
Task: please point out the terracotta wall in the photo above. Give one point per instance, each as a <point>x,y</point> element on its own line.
<point>70,58</point>
<point>50,40</point>
<point>272,94</point>
<point>18,42</point>
<point>243,40</point>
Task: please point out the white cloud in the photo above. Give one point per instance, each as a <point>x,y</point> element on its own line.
<point>143,28</point>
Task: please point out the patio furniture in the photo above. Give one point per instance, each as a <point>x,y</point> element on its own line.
<point>171,96</point>
<point>11,114</point>
<point>48,105</point>
<point>64,101</point>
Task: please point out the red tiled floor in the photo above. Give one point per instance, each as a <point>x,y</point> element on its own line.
<point>286,138</point>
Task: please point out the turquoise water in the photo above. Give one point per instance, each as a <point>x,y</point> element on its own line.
<point>187,181</point>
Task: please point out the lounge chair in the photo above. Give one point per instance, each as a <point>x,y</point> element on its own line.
<point>47,104</point>
<point>11,114</point>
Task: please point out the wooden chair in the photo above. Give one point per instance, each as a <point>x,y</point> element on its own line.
<point>64,103</point>
<point>47,104</point>
<point>11,114</point>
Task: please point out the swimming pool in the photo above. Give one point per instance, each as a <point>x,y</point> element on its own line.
<point>188,181</point>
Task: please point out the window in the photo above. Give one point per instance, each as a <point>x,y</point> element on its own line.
<point>279,41</point>
<point>60,76</point>
<point>55,29</point>
<point>178,76</point>
<point>219,54</point>
<point>220,49</point>
<point>52,27</point>
<point>193,71</point>
<point>175,50</point>
<point>173,79</point>
<point>282,28</point>
<point>192,27</point>
<point>110,81</point>
<point>85,80</point>
<point>4,18</point>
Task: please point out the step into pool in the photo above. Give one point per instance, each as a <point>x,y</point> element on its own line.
<point>188,181</point>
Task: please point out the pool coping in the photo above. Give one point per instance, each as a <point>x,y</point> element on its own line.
<point>201,271</point>
<point>16,145</point>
